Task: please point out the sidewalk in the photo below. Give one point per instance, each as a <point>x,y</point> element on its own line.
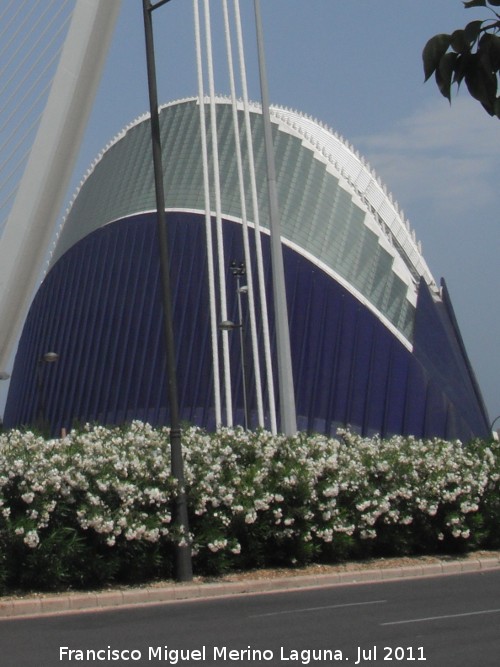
<point>256,582</point>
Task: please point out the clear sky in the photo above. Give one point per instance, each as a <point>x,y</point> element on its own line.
<point>356,66</point>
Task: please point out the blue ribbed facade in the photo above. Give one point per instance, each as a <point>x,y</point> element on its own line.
<point>374,341</point>
<point>348,368</point>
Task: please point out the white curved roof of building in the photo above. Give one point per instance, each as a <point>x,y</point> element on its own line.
<point>334,209</point>
<point>345,160</point>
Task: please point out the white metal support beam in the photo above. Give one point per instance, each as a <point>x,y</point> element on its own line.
<point>284,355</point>
<point>30,226</point>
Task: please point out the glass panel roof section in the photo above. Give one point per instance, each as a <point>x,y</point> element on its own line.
<point>335,212</point>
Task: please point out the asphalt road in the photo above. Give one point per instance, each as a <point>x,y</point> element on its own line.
<point>434,622</point>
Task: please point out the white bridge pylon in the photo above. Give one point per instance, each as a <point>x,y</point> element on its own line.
<point>30,224</point>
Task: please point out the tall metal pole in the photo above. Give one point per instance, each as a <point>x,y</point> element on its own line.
<point>183,564</point>
<point>284,355</point>
<point>238,272</point>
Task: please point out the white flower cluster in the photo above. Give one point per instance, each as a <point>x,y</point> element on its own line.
<point>314,488</point>
<point>117,481</point>
<point>305,490</point>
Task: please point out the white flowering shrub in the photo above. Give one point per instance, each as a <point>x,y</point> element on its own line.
<point>96,506</point>
<point>82,510</point>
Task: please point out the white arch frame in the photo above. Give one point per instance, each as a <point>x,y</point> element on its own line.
<point>30,225</point>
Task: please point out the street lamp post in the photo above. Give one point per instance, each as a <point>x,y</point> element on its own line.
<point>183,564</point>
<point>47,358</point>
<point>238,271</point>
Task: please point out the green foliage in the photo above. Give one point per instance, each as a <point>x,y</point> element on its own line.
<point>95,507</point>
<point>471,54</point>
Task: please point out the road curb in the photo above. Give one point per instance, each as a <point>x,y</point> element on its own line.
<point>114,599</point>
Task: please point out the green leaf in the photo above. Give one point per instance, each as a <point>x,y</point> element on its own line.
<point>433,51</point>
<point>472,30</point>
<point>490,44</point>
<point>461,66</point>
<point>475,3</point>
<point>482,84</point>
<point>459,43</point>
<point>444,74</point>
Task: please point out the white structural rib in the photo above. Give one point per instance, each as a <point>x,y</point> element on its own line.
<point>284,355</point>
<point>244,220</point>
<point>218,217</point>
<point>214,329</point>
<point>256,218</point>
<point>29,228</point>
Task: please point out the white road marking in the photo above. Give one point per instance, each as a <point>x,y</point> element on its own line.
<point>437,618</point>
<point>306,609</point>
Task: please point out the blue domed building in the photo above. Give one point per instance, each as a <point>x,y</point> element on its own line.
<point>374,340</point>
